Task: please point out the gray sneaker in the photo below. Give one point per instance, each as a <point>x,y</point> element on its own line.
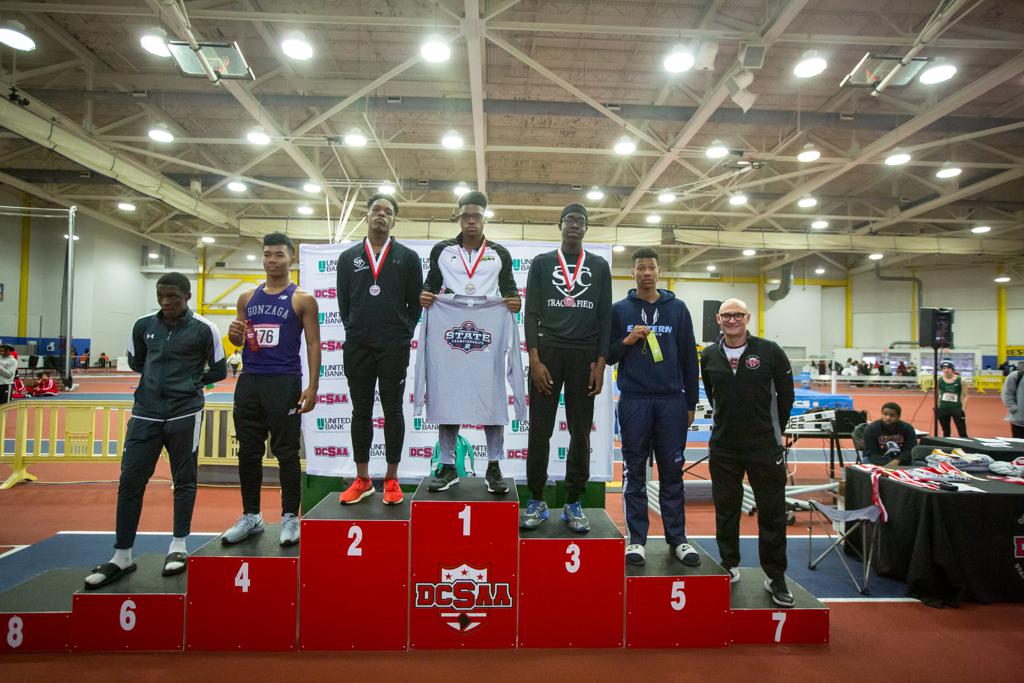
<point>247,525</point>
<point>289,529</point>
<point>572,514</point>
<point>534,515</point>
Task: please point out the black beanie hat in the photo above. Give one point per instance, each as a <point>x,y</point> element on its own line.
<point>474,197</point>
<point>574,208</point>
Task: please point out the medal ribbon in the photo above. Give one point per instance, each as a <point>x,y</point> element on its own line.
<point>376,264</point>
<point>570,282</point>
<point>476,261</point>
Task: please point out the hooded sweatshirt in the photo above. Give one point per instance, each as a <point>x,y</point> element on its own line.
<point>638,374</point>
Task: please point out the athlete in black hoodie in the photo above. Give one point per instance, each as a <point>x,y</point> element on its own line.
<point>749,382</point>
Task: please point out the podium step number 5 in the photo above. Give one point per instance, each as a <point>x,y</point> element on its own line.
<point>678,601</point>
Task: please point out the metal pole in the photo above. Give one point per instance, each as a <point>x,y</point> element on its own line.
<point>935,387</point>
<point>68,307</point>
<point>833,381</point>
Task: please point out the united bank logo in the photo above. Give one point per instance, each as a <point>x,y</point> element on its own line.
<point>421,425</point>
<point>333,424</point>
<point>425,264</point>
<point>521,265</point>
<point>331,451</point>
<point>466,595</point>
<point>563,453</point>
<point>329,319</point>
<point>520,426</point>
<point>467,337</point>
<point>333,371</point>
<point>378,451</point>
<point>327,266</point>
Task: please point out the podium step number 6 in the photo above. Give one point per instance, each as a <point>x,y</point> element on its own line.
<point>678,600</point>
<point>464,516</point>
<point>242,577</point>
<point>127,615</point>
<point>355,532</point>
<point>15,635</point>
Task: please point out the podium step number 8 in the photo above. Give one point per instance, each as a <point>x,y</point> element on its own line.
<point>242,577</point>
<point>15,635</point>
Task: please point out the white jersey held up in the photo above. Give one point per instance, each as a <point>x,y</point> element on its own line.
<point>468,349</point>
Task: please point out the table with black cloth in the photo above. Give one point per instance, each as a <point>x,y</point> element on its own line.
<point>1014,450</point>
<point>948,546</point>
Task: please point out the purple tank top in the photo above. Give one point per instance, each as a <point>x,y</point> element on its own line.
<point>279,331</point>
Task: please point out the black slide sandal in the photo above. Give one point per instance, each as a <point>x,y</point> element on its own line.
<point>111,573</point>
<point>175,557</point>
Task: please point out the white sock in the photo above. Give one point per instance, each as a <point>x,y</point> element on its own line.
<point>122,558</point>
<point>177,546</point>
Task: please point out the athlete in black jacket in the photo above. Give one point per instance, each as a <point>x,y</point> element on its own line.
<point>177,353</point>
<point>749,382</point>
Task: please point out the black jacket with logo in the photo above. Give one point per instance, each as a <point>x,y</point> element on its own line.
<point>175,362</point>
<point>751,407</point>
<point>388,319</point>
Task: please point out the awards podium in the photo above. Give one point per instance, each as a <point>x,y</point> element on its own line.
<point>449,570</point>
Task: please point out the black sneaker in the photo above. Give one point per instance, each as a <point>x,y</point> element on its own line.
<point>780,593</point>
<point>444,479</point>
<point>495,483</point>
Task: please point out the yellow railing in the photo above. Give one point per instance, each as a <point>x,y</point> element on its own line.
<point>36,421</point>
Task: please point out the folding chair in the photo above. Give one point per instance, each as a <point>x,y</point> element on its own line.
<point>863,517</point>
<point>857,437</point>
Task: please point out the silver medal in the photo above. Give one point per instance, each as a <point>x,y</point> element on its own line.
<point>470,288</point>
<point>374,290</point>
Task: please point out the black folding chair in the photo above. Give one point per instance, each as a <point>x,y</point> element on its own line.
<point>866,518</point>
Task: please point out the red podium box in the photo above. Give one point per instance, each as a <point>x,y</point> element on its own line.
<point>143,611</point>
<point>757,620</point>
<point>555,563</point>
<point>350,550</point>
<point>243,596</point>
<point>35,615</point>
<point>464,567</point>
<point>671,605</point>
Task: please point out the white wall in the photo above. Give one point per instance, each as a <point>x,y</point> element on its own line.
<point>833,318</point>
<point>795,321</point>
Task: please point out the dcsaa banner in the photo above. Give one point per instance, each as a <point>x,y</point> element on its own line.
<point>327,430</point>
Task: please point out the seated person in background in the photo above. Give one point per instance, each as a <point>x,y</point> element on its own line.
<point>104,360</point>
<point>18,389</point>
<point>889,441</point>
<point>901,369</point>
<point>45,386</point>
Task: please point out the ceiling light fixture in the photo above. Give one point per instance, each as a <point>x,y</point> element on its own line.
<point>311,187</point>
<point>808,153</point>
<point>667,197</point>
<point>981,229</point>
<point>435,50</point>
<point>998,278</point>
<point>876,256</point>
<point>937,72</point>
<point>12,34</point>
<point>161,133</point>
<point>595,194</point>
<point>948,171</point>
<point>355,138</point>
<point>76,237</point>
<point>677,61</point>
<point>126,206</point>
<point>452,140</point>
<point>717,150</point>
<point>819,224</point>
<point>207,239</point>
<point>897,158</point>
<point>258,136</point>
<point>460,189</point>
<point>154,41</point>
<point>738,199</point>
<point>810,65</point>
<point>153,254</point>
<point>250,257</point>
<point>807,201</point>
<point>386,188</point>
<point>237,186</point>
<point>488,213</point>
<point>819,270</point>
<point>653,218</point>
<point>305,209</point>
<point>711,267</point>
<point>625,146</point>
<point>750,252</point>
<point>618,248</point>
<point>295,46</point>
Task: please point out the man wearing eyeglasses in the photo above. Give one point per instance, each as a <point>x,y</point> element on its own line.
<point>568,325</point>
<point>749,382</point>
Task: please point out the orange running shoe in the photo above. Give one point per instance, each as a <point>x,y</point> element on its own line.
<point>392,492</point>
<point>360,488</point>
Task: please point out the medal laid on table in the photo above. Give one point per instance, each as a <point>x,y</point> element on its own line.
<point>376,264</point>
<point>471,269</point>
<point>570,281</point>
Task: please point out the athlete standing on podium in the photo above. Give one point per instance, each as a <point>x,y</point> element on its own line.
<point>568,322</point>
<point>652,341</point>
<point>470,264</point>
<point>269,396</point>
<point>379,284</point>
<point>749,383</point>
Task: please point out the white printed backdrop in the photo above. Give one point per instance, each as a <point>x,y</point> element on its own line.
<point>327,429</point>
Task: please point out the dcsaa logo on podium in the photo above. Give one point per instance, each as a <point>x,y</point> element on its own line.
<point>466,590</point>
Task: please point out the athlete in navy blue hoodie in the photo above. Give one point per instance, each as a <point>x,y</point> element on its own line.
<point>658,396</point>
